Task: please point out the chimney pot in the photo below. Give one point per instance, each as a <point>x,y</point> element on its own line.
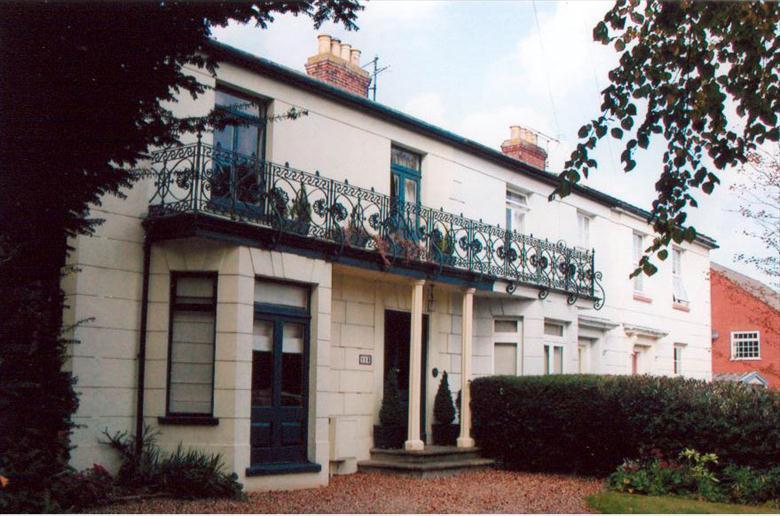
<point>345,50</point>
<point>523,145</point>
<point>355,57</point>
<point>338,64</point>
<point>335,47</point>
<point>323,44</point>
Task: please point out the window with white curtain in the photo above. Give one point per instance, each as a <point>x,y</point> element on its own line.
<point>191,347</point>
<point>507,346</point>
<point>638,250</point>
<point>583,230</point>
<point>516,209</point>
<point>679,295</point>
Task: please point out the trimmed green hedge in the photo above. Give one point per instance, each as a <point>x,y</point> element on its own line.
<point>589,424</point>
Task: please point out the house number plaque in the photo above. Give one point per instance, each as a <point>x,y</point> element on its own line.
<point>364,359</point>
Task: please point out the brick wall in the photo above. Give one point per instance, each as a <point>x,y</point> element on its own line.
<point>339,73</point>
<point>525,152</point>
<point>734,309</point>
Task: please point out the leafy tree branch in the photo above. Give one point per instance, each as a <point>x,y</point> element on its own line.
<point>684,66</point>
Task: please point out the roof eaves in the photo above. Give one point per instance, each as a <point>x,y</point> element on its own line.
<point>275,70</point>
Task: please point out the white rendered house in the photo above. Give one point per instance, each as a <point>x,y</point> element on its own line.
<point>259,284</point>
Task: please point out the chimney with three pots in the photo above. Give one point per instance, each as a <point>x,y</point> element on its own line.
<point>338,64</point>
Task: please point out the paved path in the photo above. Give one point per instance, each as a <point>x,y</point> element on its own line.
<point>489,491</point>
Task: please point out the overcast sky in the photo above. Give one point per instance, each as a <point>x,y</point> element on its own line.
<point>476,68</point>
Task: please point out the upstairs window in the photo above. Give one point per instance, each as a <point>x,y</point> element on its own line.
<point>247,138</point>
<point>680,295</point>
<point>516,209</point>
<point>745,345</point>
<point>583,230</point>
<point>405,177</point>
<point>638,249</point>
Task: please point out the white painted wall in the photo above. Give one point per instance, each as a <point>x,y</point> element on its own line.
<point>345,144</point>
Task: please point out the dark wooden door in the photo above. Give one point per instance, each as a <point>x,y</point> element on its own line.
<point>398,327</point>
<point>279,389</point>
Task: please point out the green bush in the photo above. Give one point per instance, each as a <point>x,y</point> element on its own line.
<point>184,473</point>
<point>591,424</point>
<point>747,485</point>
<point>443,409</point>
<point>697,475</point>
<point>391,413</point>
<point>692,474</point>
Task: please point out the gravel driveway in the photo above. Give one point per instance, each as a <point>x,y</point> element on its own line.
<point>487,491</point>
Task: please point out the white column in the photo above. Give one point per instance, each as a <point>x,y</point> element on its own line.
<point>413,441</point>
<point>465,440</point>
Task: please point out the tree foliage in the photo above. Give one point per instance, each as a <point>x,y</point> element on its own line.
<point>84,93</point>
<point>684,66</point>
<point>759,196</point>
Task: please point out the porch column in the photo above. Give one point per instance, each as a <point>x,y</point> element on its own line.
<point>413,441</point>
<point>465,440</point>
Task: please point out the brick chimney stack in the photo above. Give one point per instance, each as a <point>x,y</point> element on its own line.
<point>338,64</point>
<point>523,145</point>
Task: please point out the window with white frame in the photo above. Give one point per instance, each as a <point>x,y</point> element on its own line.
<point>553,359</point>
<point>506,333</point>
<point>516,209</point>
<point>583,229</point>
<point>584,349</point>
<point>745,345</point>
<point>678,358</point>
<point>638,250</point>
<point>680,295</point>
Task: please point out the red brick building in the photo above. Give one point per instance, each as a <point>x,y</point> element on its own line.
<point>745,329</point>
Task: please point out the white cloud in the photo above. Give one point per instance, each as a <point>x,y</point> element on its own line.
<point>428,107</point>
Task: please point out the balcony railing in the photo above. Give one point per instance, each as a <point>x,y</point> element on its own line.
<point>202,179</point>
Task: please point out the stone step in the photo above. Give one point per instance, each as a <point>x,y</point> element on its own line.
<point>430,453</point>
<point>428,469</point>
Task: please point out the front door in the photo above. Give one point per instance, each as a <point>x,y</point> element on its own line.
<point>398,326</point>
<point>280,352</point>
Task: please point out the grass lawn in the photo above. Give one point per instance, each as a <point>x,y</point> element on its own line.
<point>610,503</point>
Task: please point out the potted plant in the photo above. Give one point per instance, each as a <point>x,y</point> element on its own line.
<point>299,216</point>
<point>357,235</point>
<point>445,247</point>
<point>391,430</point>
<point>445,432</point>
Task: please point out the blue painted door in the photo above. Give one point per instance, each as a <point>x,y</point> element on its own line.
<point>279,388</point>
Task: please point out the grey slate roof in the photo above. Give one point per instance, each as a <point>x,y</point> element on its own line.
<point>754,287</point>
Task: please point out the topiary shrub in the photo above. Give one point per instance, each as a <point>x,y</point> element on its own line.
<point>391,412</point>
<point>591,424</point>
<point>443,409</point>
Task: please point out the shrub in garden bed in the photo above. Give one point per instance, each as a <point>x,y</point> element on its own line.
<point>184,473</point>
<point>697,475</point>
<point>590,424</point>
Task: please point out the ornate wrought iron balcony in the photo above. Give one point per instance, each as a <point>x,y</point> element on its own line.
<point>201,179</point>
